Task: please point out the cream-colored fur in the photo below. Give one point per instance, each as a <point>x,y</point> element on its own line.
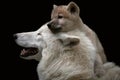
<point>70,62</point>
<point>75,53</point>
<point>112,72</point>
<point>64,57</point>
<point>65,18</point>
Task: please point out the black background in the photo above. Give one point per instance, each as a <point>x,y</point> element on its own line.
<point>22,16</point>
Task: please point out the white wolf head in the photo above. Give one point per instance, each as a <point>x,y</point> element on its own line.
<point>35,41</point>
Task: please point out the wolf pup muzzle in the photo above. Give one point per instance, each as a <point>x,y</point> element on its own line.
<point>54,27</point>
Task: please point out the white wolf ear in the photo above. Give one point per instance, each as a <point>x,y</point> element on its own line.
<point>73,8</point>
<point>71,41</point>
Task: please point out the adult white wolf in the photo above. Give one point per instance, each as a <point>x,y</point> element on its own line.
<point>61,56</point>
<point>67,49</point>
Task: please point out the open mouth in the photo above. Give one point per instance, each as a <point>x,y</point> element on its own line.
<point>25,52</point>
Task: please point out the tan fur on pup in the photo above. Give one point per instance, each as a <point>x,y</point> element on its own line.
<point>65,19</point>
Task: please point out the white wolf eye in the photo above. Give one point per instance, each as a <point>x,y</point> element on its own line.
<point>38,33</point>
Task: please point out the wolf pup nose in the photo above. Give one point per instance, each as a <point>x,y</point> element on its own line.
<point>53,27</point>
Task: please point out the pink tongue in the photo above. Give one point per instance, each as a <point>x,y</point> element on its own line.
<point>28,51</point>
<point>24,52</point>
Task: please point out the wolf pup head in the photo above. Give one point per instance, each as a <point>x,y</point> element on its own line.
<point>64,17</point>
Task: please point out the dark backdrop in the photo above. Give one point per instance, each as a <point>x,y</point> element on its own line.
<point>21,16</point>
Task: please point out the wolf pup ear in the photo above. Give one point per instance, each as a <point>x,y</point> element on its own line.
<point>54,6</point>
<point>73,8</point>
<point>71,41</point>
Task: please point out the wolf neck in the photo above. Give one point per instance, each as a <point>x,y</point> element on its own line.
<point>79,24</point>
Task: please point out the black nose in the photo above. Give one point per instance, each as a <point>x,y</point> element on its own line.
<point>49,25</point>
<point>15,36</point>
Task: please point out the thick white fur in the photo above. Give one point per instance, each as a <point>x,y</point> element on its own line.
<point>59,61</point>
<point>112,72</point>
<point>66,63</point>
